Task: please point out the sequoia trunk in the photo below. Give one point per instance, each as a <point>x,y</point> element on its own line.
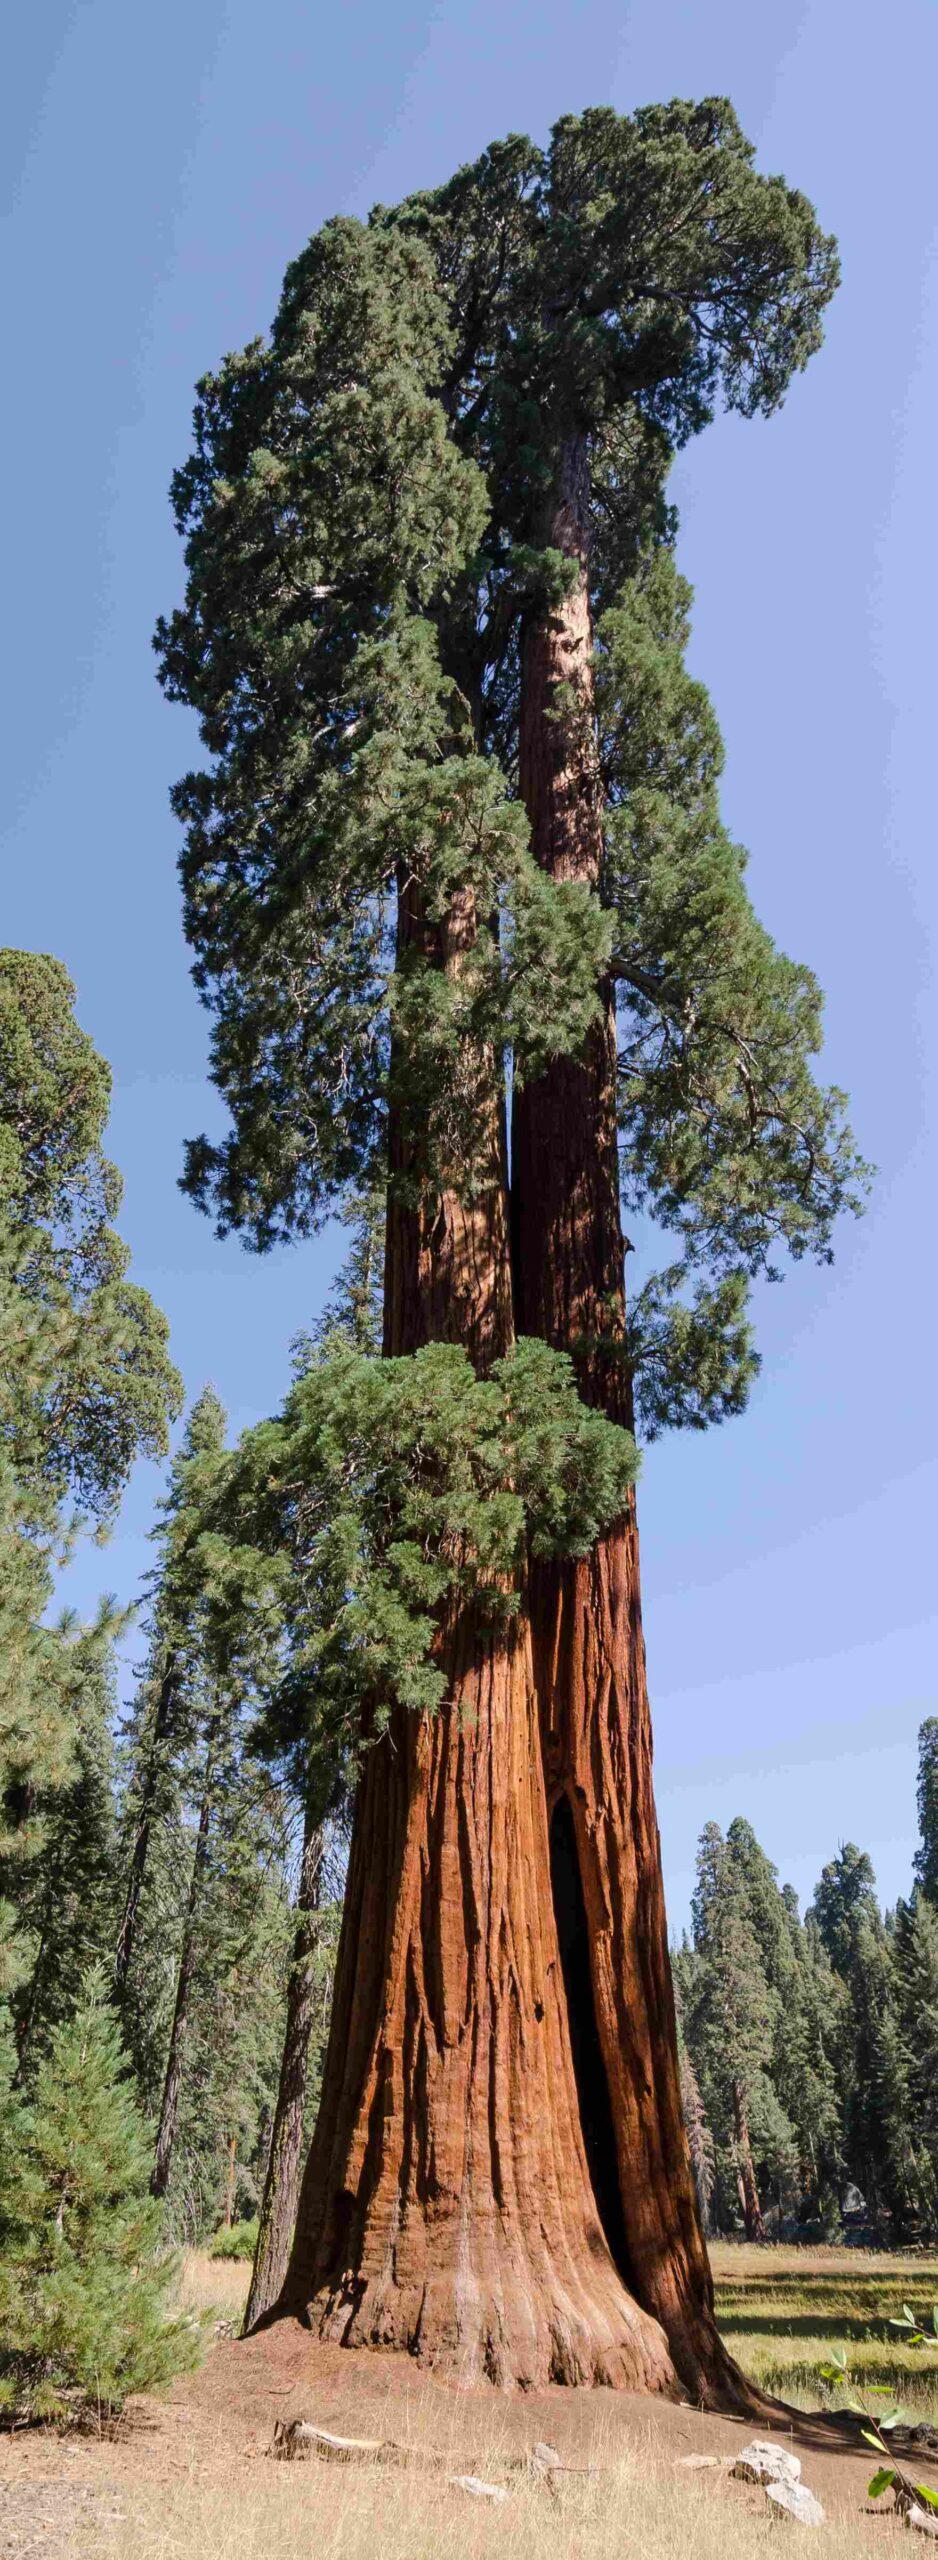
<point>446,2207</point>
<point>282,2182</point>
<point>589,1654</point>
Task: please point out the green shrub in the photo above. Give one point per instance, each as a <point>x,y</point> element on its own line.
<point>238,2241</point>
<point>84,2271</point>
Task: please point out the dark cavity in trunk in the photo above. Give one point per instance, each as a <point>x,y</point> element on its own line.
<point>589,2069</point>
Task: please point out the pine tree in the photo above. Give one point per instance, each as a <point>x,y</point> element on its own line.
<point>844,1899</point>
<point>235,2013</point>
<point>926,1857</point>
<point>401,517</point>
<point>916,1977</point>
<point>732,2018</point>
<point>876,2132</point>
<point>197,1843</point>
<point>67,1899</point>
<point>810,2081</point>
<point>159,1731</point>
<point>84,2276</point>
<point>85,1385</point>
<point>232,1626</point>
<point>804,2119</point>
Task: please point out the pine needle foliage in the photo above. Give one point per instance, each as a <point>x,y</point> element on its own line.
<point>401,1490</point>
<point>367,521</point>
<point>86,1384</point>
<point>728,1140</point>
<point>926,1856</point>
<point>66,1897</point>
<point>84,2274</point>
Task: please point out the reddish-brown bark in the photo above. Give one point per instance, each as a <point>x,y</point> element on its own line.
<point>446,2206</point>
<point>586,1617</point>
<point>447,1274</point>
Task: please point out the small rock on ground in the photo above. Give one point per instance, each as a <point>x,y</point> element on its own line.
<point>765,2463</point>
<point>792,2498</point>
<point>477,2488</point>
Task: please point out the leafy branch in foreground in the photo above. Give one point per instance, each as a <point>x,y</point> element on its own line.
<point>907,2493</point>
<point>400,1489</point>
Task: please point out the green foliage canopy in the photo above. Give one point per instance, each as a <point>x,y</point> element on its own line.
<point>367,518</point>
<point>926,1856</point>
<point>399,1491</point>
<point>86,1383</point>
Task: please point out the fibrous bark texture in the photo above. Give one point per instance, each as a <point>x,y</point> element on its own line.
<point>447,1273</point>
<point>589,1654</point>
<point>447,2206</point>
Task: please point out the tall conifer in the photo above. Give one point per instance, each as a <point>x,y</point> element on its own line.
<point>926,1859</point>
<point>84,2273</point>
<point>86,1385</point>
<point>404,859</point>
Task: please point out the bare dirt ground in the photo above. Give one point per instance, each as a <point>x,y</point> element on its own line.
<point>189,2475</point>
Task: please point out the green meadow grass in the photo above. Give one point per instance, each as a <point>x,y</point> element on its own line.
<point>782,2310</point>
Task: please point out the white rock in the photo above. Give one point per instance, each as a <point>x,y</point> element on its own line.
<point>764,2463</point>
<point>921,2522</point>
<point>477,2488</point>
<point>546,2457</point>
<point>792,2498</point>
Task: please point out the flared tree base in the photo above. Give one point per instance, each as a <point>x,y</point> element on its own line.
<point>447,2207</point>
<point>479,2308</point>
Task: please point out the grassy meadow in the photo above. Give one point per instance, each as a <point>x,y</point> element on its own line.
<point>782,2310</point>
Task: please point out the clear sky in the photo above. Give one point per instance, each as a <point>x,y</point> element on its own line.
<point>160,166</point>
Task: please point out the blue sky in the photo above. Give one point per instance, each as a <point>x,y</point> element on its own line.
<point>160,167</point>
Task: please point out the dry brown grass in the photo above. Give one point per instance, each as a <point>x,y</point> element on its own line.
<point>218,2285</point>
<point>315,2512</point>
<point>188,2480</point>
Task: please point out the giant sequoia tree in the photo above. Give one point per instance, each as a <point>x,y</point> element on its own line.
<point>458,846</point>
